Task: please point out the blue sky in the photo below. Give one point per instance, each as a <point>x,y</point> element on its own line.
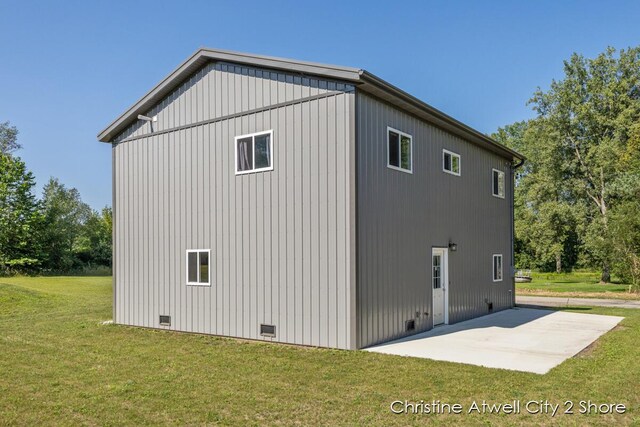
<point>68,68</point>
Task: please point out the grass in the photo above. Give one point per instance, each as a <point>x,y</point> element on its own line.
<point>59,365</point>
<point>585,284</point>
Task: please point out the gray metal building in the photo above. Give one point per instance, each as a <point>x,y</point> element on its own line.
<point>282,200</point>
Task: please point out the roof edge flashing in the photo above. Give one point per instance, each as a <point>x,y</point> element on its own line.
<point>435,113</point>
<point>351,75</point>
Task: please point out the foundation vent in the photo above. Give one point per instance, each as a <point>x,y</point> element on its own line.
<point>267,330</point>
<point>165,320</point>
<point>410,325</point>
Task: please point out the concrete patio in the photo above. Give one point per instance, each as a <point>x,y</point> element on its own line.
<point>519,339</point>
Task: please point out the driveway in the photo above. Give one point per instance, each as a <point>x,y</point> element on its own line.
<point>519,339</point>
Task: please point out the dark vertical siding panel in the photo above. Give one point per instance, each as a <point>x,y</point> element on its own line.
<point>402,216</point>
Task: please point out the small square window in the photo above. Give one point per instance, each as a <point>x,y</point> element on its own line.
<point>497,267</point>
<point>451,162</point>
<point>498,183</point>
<point>254,152</point>
<point>198,267</point>
<point>399,150</point>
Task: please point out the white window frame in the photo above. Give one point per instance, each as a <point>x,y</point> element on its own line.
<point>253,147</point>
<point>401,134</point>
<point>445,151</point>
<point>504,183</point>
<point>198,251</point>
<point>493,263</point>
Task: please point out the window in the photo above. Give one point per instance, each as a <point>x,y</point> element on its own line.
<point>254,152</point>
<point>497,268</point>
<point>198,267</point>
<point>437,278</point>
<point>399,147</point>
<point>498,183</point>
<point>451,162</point>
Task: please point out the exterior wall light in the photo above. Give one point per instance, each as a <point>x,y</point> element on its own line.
<point>453,246</point>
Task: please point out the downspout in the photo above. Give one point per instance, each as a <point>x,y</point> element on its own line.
<point>513,261</point>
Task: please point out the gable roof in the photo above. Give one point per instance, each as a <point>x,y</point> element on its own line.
<point>364,80</point>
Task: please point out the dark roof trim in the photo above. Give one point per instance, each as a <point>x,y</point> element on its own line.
<point>386,91</point>
<point>366,81</point>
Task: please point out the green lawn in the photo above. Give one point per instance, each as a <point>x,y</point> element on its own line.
<point>579,283</point>
<point>60,366</point>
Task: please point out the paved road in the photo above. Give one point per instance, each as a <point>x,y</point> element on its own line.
<point>535,301</point>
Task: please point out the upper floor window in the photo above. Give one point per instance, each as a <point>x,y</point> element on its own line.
<point>498,183</point>
<point>451,162</point>
<point>399,148</point>
<point>254,152</point>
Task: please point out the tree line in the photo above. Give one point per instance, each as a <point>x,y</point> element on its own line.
<point>577,197</point>
<point>57,233</point>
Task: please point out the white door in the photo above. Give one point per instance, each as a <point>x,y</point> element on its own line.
<point>439,283</point>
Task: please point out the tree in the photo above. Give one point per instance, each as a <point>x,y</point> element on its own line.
<point>20,217</point>
<point>624,226</point>
<point>94,243</point>
<point>545,218</point>
<point>64,218</point>
<point>8,138</point>
<point>589,123</point>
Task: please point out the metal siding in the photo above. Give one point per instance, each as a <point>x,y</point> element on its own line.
<point>402,216</point>
<point>277,239</point>
<point>220,89</point>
